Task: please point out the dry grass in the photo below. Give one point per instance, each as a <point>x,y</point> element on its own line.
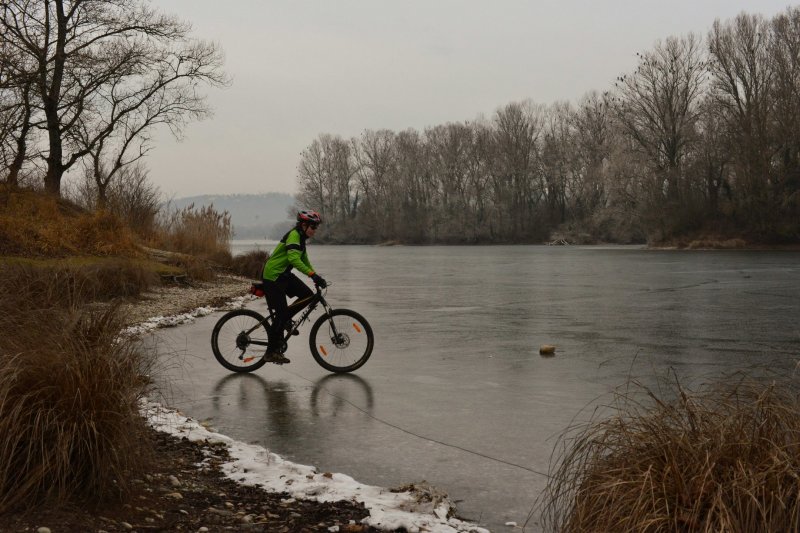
<point>43,285</point>
<point>70,427</point>
<point>726,458</point>
<point>35,224</point>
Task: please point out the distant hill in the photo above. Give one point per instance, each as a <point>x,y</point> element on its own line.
<point>253,215</point>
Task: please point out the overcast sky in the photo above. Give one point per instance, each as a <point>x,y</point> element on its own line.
<point>302,68</point>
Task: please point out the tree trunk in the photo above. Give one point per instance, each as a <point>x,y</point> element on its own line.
<point>52,180</point>
<point>51,96</point>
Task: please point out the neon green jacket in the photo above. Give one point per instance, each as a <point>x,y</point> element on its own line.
<point>289,253</point>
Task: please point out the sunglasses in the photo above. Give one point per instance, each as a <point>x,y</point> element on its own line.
<point>313,225</point>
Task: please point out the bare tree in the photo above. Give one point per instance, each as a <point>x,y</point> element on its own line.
<point>659,107</point>
<point>115,130</point>
<point>449,147</point>
<point>419,189</point>
<point>516,180</point>
<point>785,96</point>
<point>131,196</point>
<point>695,140</point>
<point>712,157</point>
<point>342,171</point>
<point>105,72</point>
<point>479,158</point>
<point>742,77</point>
<point>375,156</point>
<point>16,111</point>
<point>311,175</point>
<point>558,161</point>
<point>593,125</point>
<point>325,175</point>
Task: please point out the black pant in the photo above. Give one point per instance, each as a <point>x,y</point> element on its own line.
<point>276,292</point>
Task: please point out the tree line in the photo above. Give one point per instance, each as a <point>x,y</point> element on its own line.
<point>702,138</point>
<point>83,83</point>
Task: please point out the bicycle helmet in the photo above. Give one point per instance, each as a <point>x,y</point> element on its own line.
<point>310,217</point>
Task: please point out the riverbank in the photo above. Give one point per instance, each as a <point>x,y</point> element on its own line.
<point>188,484</point>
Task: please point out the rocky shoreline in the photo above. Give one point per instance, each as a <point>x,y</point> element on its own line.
<point>174,300</point>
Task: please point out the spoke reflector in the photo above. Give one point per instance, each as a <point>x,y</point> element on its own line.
<point>358,329</point>
<point>322,349</point>
<point>248,359</point>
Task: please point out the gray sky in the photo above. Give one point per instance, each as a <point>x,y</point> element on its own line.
<point>301,68</point>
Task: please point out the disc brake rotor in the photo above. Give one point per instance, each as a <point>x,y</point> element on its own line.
<point>342,340</point>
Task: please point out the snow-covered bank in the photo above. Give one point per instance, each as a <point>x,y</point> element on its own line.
<point>415,508</point>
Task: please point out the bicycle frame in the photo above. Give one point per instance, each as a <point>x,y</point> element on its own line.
<point>314,300</point>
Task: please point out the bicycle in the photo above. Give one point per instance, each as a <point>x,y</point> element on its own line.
<point>341,340</point>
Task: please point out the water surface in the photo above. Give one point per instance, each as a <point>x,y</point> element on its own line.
<point>456,392</point>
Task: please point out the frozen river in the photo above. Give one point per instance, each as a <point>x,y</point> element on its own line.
<point>456,393</point>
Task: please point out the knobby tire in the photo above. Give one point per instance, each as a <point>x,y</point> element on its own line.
<point>224,336</point>
<point>348,353</point>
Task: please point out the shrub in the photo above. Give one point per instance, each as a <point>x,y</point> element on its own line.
<point>197,269</point>
<point>249,264</point>
<point>717,243</point>
<point>70,427</point>
<point>130,195</point>
<point>103,233</point>
<point>726,458</point>
<point>119,278</point>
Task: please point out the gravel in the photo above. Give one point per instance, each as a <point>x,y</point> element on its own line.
<point>184,298</point>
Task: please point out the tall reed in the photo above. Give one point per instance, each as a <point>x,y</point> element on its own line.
<point>200,231</point>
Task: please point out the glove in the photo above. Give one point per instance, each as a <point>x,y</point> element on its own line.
<point>319,281</point>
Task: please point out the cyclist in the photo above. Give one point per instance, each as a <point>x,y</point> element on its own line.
<point>280,282</point>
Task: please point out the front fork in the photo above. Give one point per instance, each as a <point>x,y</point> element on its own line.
<point>336,337</point>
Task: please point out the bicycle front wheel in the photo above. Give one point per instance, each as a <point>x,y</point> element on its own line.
<point>341,341</point>
<point>239,340</point>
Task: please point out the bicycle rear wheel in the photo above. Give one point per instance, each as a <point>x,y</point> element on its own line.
<point>341,341</point>
<point>239,340</point>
